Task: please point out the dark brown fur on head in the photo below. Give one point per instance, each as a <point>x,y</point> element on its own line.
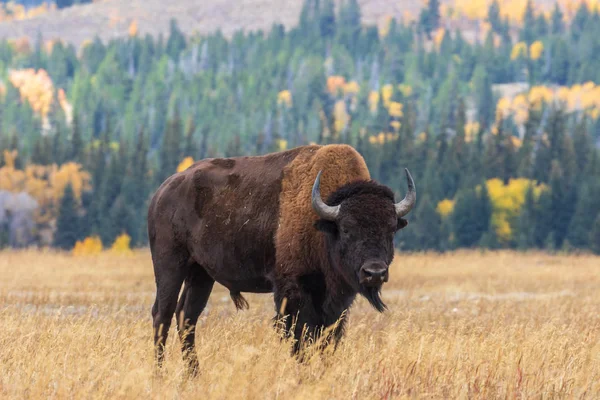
<point>363,232</point>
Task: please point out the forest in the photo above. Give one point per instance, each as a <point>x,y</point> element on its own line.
<point>495,113</point>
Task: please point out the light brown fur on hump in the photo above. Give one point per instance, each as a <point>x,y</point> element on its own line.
<point>297,241</point>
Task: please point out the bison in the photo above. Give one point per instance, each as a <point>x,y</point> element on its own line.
<point>260,225</point>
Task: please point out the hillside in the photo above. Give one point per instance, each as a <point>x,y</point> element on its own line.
<point>112,18</point>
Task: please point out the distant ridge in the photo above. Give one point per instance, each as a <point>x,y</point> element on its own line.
<point>111,18</point>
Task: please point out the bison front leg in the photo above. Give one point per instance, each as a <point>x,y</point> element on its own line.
<point>296,317</point>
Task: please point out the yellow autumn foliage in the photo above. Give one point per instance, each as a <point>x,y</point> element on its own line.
<point>284,97</point>
<point>583,98</point>
<point>395,109</point>
<point>45,183</point>
<point>133,28</point>
<point>373,101</point>
<point>11,10</point>
<point>351,88</point>
<point>507,201</point>
<point>89,246</point>
<point>387,91</point>
<point>471,130</point>
<point>335,83</point>
<point>121,244</point>
<point>438,36</point>
<point>185,164</point>
<point>282,144</point>
<point>384,28</point>
<point>340,115</point>
<point>539,95</point>
<point>34,86</point>
<point>536,49</point>
<point>518,50</point>
<point>445,207</point>
<point>472,9</point>
<point>382,138</point>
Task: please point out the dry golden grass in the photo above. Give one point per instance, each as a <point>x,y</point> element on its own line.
<point>461,325</point>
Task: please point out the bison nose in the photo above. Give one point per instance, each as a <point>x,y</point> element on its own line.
<point>373,274</point>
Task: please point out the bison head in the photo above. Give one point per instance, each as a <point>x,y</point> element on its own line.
<point>360,222</point>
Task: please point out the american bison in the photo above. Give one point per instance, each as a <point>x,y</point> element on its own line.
<point>260,225</point>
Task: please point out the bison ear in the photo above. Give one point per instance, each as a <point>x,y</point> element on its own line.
<point>402,223</point>
<point>327,227</point>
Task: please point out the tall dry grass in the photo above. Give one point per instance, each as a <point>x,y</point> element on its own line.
<point>461,325</point>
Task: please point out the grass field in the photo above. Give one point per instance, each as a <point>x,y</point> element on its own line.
<point>461,325</point>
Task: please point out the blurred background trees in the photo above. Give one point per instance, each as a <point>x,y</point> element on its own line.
<point>496,119</point>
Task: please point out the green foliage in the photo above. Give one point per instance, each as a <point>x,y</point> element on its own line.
<point>141,104</point>
<point>67,224</point>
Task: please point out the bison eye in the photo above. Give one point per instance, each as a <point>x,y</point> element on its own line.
<point>345,230</point>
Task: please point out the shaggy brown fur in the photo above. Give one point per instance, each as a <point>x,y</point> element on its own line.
<point>248,223</point>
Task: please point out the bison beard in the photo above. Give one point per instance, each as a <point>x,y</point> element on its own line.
<point>248,223</point>
<point>372,294</point>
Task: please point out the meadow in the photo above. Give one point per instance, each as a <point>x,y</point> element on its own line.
<point>459,325</point>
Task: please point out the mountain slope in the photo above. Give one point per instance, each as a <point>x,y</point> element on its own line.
<point>112,18</point>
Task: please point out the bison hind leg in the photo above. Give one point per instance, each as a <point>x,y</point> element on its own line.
<point>240,302</point>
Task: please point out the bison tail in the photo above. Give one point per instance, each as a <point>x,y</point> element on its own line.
<point>239,301</point>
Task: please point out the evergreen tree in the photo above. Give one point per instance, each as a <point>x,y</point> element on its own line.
<point>595,236</point>
<point>176,43</point>
<point>494,17</point>
<point>484,96</point>
<point>67,223</point>
<point>76,151</point>
<point>327,19</point>
<point>584,216</point>
<point>426,232</point>
<point>557,26</point>
<point>170,151</point>
<point>562,205</point>
<point>429,18</point>
<point>64,3</point>
<point>471,216</point>
<point>526,221</point>
<point>528,31</point>
<point>543,219</point>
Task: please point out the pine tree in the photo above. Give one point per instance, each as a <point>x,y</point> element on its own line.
<point>557,26</point>
<point>541,28</point>
<point>426,232</point>
<point>190,148</point>
<point>67,223</point>
<point>484,96</point>
<point>327,19</point>
<point>583,219</point>
<point>528,31</point>
<point>526,221</point>
<point>64,3</point>
<point>494,17</point>
<point>543,219</point>
<point>471,216</point>
<point>176,43</point>
<point>76,151</point>
<point>561,61</point>
<point>595,236</point>
<point>562,204</point>
<point>170,151</point>
<point>582,146</point>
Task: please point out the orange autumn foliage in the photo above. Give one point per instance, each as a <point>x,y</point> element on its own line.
<point>45,183</point>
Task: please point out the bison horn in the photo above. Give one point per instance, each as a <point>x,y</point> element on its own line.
<point>324,211</point>
<point>404,207</point>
